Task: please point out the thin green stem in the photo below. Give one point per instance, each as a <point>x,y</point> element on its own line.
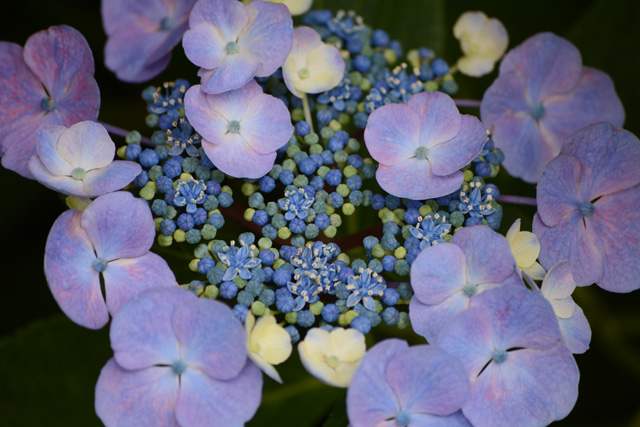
<point>307,110</point>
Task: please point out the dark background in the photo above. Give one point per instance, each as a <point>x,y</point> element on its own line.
<point>48,365</point>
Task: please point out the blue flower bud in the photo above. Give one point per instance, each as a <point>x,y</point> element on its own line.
<point>322,221</point>
<point>281,277</point>
<point>306,319</point>
<point>389,242</point>
<point>267,256</point>
<point>215,275</point>
<point>267,297</point>
<point>185,222</point>
<point>390,296</point>
<point>380,38</point>
<point>376,266</point>
<point>245,298</point>
<point>132,151</point>
<point>205,264</point>
<point>225,199</point>
<point>390,315</point>
<point>297,226</point>
<point>439,67</point>
<point>311,232</point>
<point>286,177</point>
<point>330,313</point>
<point>302,128</point>
<point>253,287</point>
<point>335,200</point>
<point>362,324</point>
<point>240,312</point>
<point>167,227</point>
<point>333,177</point>
<point>324,116</point>
<point>377,202</point>
<point>267,184</point>
<point>196,286</point>
<point>388,263</point>
<point>404,289</point>
<point>173,167</point>
<point>199,216</point>
<point>293,332</point>
<point>269,231</point>
<point>228,290</point>
<point>390,228</point>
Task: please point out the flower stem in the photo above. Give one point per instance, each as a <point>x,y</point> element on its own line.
<point>307,110</point>
<point>114,130</point>
<point>517,200</point>
<point>472,103</point>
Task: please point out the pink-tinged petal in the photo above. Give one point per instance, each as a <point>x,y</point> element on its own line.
<point>429,320</point>
<point>56,55</point>
<point>506,97</point>
<point>558,283</point>
<point>550,63</point>
<point>439,117</point>
<point>438,272</point>
<point>613,228</point>
<point>609,159</point>
<point>576,332</point>
<point>118,14</point>
<point>370,398</point>
<point>204,46</point>
<point>452,155</point>
<point>392,134</point>
<point>531,387</point>
<point>235,157</point>
<point>269,35</point>
<point>19,144</point>
<point>558,190</point>
<point>146,397</point>
<point>61,183</point>
<point>413,179</point>
<point>119,226</point>
<point>209,403</point>
<point>126,278</point>
<point>113,177</point>
<point>488,254</point>
<point>228,16</point>
<point>142,333</point>
<point>519,318</point>
<point>81,99</point>
<point>220,355</point>
<point>46,146</point>
<point>234,72</point>
<point>21,92</point>
<point>266,124</point>
<point>569,240</point>
<point>86,145</point>
<point>207,113</point>
<point>428,380</point>
<point>469,339</point>
<point>68,266</point>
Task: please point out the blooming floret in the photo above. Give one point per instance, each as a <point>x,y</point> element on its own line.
<point>191,194</point>
<point>296,204</point>
<point>364,287</point>
<point>482,40</point>
<point>431,229</point>
<point>239,261</point>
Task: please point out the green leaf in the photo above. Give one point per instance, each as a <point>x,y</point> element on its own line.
<point>48,372</point>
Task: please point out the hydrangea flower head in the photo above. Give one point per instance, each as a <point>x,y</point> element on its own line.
<point>422,145</point>
<point>110,238</point>
<point>49,82</point>
<point>588,198</point>
<point>78,161</point>
<point>446,277</point>
<point>542,95</point>
<point>178,361</point>
<point>521,373</point>
<point>482,40</point>
<point>268,343</point>
<point>312,66</point>
<point>233,43</point>
<point>557,287</point>
<point>525,248</point>
<point>332,357</point>
<point>241,129</point>
<point>141,35</point>
<point>400,385</point>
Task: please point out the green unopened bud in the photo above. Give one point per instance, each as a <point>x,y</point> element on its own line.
<point>424,209</point>
<point>297,114</point>
<point>164,241</point>
<point>377,251</point>
<point>403,320</point>
<point>278,263</point>
<point>390,56</point>
<point>248,188</point>
<point>348,209</point>
<point>209,232</point>
<point>211,292</point>
<point>248,214</point>
<point>431,86</point>
<point>258,308</point>
<point>468,175</point>
<point>344,258</point>
<point>284,233</point>
<point>133,137</point>
<point>335,125</point>
<point>316,308</point>
<point>291,317</point>
<point>400,252</point>
<point>120,152</point>
<point>264,243</point>
<point>193,265</point>
<point>311,138</point>
<point>330,231</point>
<point>343,190</point>
<point>316,149</point>
<point>179,236</point>
<point>147,193</point>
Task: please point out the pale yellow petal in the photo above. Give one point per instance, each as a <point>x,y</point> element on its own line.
<point>475,66</point>
<point>513,230</point>
<point>275,344</point>
<point>535,271</point>
<point>525,248</point>
<point>348,344</point>
<point>563,308</point>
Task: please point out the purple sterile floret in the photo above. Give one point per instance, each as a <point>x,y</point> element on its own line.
<point>446,277</point>
<point>233,43</point>
<point>112,238</point>
<point>422,145</point>
<point>588,199</point>
<point>181,360</point>
<point>557,287</point>
<point>141,35</point>
<point>241,129</point>
<point>78,161</point>
<point>542,95</point>
<point>400,385</point>
<point>49,82</point>
<point>521,373</point>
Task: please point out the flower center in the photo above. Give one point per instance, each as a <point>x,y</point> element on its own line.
<point>403,419</point>
<point>333,361</point>
<point>100,264</point>
<point>232,47</point>
<point>178,367</point>
<point>421,152</point>
<point>233,126</point>
<point>587,208</point>
<point>254,346</point>
<point>166,24</point>
<point>48,103</point>
<point>304,73</point>
<point>499,356</point>
<point>469,289</point>
<point>537,111</point>
<point>78,173</point>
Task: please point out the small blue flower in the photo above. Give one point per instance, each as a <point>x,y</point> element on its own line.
<point>182,138</point>
<point>430,230</point>
<point>296,204</point>
<point>474,202</point>
<point>171,102</point>
<point>307,291</point>
<point>239,260</point>
<point>191,194</point>
<point>364,287</point>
